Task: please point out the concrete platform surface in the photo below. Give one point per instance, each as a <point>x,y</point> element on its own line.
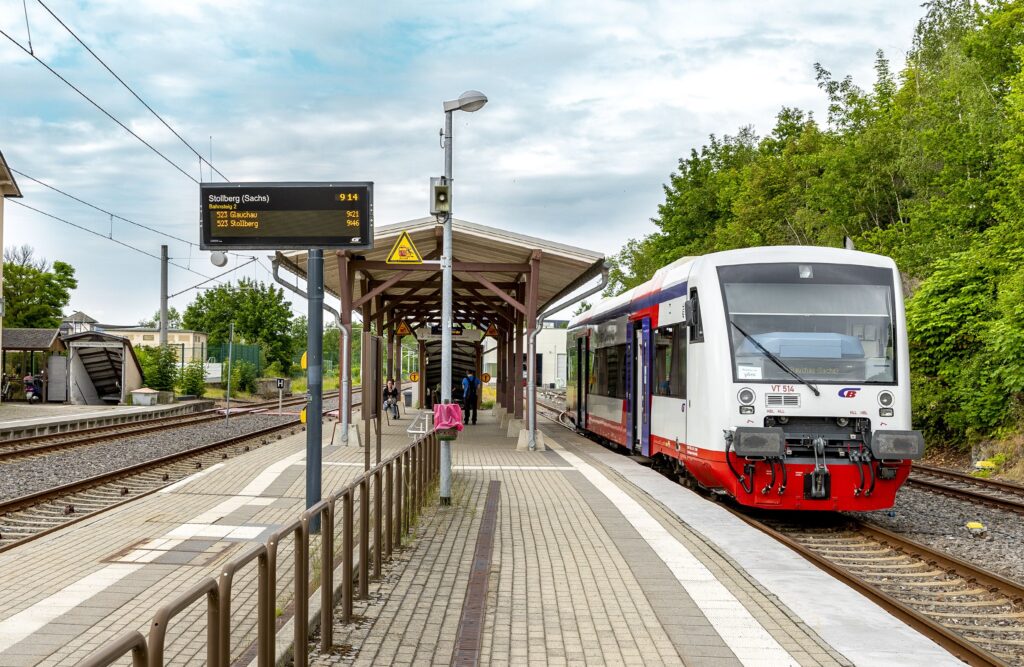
<point>21,419</point>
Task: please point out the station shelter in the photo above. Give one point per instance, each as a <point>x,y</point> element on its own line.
<point>503,284</point>
<point>28,352</point>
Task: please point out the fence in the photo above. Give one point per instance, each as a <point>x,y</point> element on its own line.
<point>399,486</point>
<point>240,352</point>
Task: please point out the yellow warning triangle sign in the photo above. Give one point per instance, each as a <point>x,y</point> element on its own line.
<point>404,251</point>
<point>492,331</point>
<point>403,329</point>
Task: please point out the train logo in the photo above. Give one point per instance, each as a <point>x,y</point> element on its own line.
<point>848,392</point>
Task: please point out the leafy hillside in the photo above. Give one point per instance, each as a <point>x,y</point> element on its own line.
<point>926,166</point>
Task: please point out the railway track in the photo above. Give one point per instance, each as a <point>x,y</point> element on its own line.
<point>31,516</point>
<point>975,614</point>
<point>42,445</point>
<point>989,492</point>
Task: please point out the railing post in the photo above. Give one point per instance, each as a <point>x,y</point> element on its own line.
<point>158,628</point>
<point>399,495</point>
<point>301,602</point>
<point>364,537</point>
<point>327,578</point>
<point>224,583</point>
<point>131,641</point>
<point>346,556</point>
<point>389,506</point>
<point>378,496</point>
<point>273,544</point>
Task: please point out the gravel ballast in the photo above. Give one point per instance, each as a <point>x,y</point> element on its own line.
<point>939,522</point>
<point>19,478</point>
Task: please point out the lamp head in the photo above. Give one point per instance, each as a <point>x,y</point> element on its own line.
<point>218,258</point>
<point>471,100</point>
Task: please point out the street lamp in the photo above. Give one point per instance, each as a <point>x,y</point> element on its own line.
<point>471,100</point>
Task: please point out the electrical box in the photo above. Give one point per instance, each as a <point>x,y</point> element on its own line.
<point>440,196</point>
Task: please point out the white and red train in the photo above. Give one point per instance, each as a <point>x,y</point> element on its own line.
<point>778,376</point>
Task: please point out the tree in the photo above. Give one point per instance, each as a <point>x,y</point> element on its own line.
<point>173,319</point>
<point>260,313</point>
<point>35,294</point>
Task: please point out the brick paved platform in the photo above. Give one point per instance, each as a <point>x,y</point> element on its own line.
<point>63,595</point>
<point>593,560</point>
<point>593,564</point>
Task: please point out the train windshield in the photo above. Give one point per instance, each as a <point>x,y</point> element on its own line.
<point>826,322</point>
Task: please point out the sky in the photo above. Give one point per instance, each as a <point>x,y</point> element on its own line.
<point>591,106</point>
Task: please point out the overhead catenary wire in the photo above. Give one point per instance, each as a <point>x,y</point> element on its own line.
<point>105,238</point>
<point>98,106</point>
<point>98,208</point>
<point>216,277</point>
<point>130,89</point>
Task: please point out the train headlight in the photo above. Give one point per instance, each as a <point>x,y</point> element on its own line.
<point>886,399</point>
<point>842,422</point>
<point>746,396</point>
<point>746,409</point>
<point>897,445</point>
<point>885,412</point>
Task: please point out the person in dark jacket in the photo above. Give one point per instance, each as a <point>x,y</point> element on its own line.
<point>470,394</point>
<point>391,398</point>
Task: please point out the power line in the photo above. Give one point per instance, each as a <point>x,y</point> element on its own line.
<point>171,296</point>
<point>95,104</point>
<point>107,238</point>
<point>101,210</point>
<point>130,90</point>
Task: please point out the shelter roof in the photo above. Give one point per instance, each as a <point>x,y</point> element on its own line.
<point>8,186</point>
<point>563,268</point>
<point>104,361</point>
<point>32,339</point>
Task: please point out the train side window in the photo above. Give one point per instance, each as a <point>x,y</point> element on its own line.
<point>670,361</point>
<point>696,325</point>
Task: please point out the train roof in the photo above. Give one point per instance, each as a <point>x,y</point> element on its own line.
<point>678,272</point>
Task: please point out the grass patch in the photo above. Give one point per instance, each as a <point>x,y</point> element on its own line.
<point>300,384</point>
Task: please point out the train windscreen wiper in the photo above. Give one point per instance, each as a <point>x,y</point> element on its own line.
<point>778,362</point>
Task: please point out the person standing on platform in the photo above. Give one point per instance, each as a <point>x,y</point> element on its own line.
<point>470,393</point>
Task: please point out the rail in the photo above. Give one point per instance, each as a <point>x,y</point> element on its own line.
<point>389,496</point>
<point>421,425</point>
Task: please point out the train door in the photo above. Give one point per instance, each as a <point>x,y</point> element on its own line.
<point>640,388</point>
<point>582,377</point>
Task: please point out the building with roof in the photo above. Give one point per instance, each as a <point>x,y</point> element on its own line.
<point>76,322</point>
<point>188,344</point>
<point>8,188</point>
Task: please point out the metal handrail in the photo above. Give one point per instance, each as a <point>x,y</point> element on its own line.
<point>256,551</point>
<point>158,628</point>
<point>130,641</point>
<point>399,485</point>
<point>421,425</point>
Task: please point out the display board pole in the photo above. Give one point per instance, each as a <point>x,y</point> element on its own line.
<point>315,379</point>
<point>446,314</point>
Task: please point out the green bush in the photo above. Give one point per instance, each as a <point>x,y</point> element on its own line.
<point>193,378</point>
<point>159,367</point>
<point>274,370</point>
<point>243,376</point>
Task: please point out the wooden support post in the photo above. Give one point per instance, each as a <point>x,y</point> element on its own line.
<point>518,359</point>
<point>345,290</point>
<point>423,374</point>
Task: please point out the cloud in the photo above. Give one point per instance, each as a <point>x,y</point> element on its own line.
<point>592,104</point>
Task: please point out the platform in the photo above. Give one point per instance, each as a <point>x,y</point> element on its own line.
<point>590,563</point>
<point>598,560</point>
<point>19,420</point>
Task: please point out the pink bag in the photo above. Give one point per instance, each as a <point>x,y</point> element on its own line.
<point>447,416</point>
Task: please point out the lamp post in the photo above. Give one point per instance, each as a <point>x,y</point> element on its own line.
<point>471,100</point>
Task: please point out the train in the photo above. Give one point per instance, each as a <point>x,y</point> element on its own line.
<point>778,376</point>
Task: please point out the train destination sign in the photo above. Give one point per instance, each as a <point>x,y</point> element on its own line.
<point>286,216</point>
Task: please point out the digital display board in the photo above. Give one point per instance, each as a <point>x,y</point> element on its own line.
<point>286,216</point>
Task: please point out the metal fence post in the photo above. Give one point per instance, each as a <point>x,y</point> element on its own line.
<point>158,628</point>
<point>364,537</point>
<point>301,602</point>
<point>378,495</point>
<point>399,495</point>
<point>131,641</point>
<point>346,556</point>
<point>295,528</point>
<point>309,517</point>
<point>263,623</point>
<point>389,506</point>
